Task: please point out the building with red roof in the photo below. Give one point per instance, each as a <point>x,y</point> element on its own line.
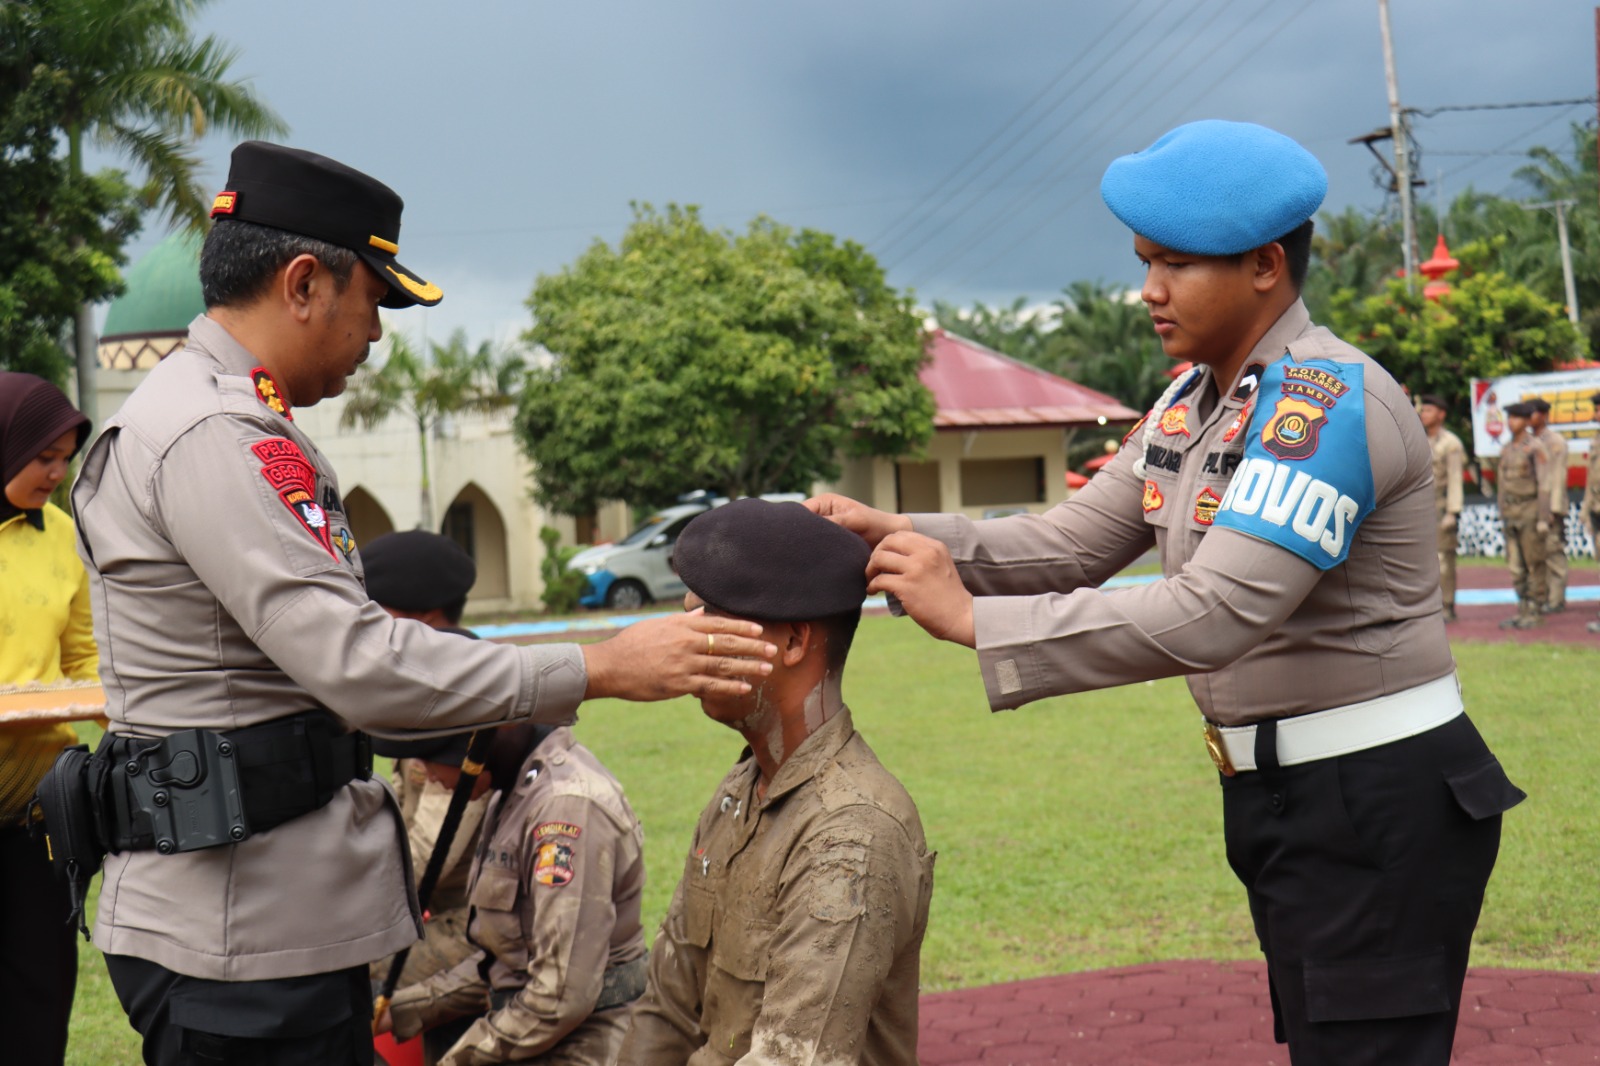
<point>1001,431</point>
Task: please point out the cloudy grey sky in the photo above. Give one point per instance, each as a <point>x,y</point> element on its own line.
<point>961,142</point>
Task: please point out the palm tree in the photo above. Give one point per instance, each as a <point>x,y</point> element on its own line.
<point>141,85</point>
<point>1108,345</point>
<point>456,380</point>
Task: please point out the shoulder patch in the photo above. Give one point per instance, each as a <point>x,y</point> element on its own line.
<point>545,830</point>
<point>294,479</point>
<point>267,392</point>
<point>553,864</point>
<point>1305,483</point>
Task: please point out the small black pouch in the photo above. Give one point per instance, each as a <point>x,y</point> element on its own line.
<point>69,798</point>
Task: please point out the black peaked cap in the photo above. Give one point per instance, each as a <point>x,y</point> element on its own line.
<point>314,196</point>
<point>1520,410</point>
<point>772,562</point>
<point>417,570</point>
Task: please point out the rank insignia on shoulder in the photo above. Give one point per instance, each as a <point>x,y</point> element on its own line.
<point>267,392</point>
<point>1152,497</point>
<point>552,866</point>
<point>1205,507</point>
<point>1248,382</point>
<point>1175,420</point>
<point>291,475</point>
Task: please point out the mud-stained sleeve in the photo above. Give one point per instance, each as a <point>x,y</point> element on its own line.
<point>664,1029</point>
<point>274,571</point>
<point>455,993</point>
<point>847,906</point>
<point>569,911</point>
<point>1078,543</point>
<point>1232,594</point>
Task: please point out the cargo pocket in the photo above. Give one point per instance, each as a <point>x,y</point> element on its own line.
<point>496,889</point>
<point>1482,788</point>
<point>1368,989</point>
<point>742,948</point>
<point>698,907</point>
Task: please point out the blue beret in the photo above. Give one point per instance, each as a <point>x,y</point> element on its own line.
<point>1215,188</point>
<point>772,562</point>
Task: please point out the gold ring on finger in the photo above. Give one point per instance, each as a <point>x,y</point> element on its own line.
<point>711,644</point>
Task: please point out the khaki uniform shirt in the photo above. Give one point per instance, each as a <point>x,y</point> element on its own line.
<point>1523,479</point>
<point>1555,453</point>
<point>1337,473</point>
<point>796,932</point>
<point>555,893</point>
<point>227,592</point>
<point>1591,490</point>
<point>1449,459</point>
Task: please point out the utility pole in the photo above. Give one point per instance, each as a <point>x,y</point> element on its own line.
<point>1402,148</point>
<point>1560,208</point>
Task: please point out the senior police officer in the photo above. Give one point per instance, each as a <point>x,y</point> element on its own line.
<point>555,895</point>
<point>1449,459</point>
<point>1522,482</point>
<point>795,934</point>
<point>242,649</point>
<point>1555,538</point>
<point>425,577</point>
<point>1288,487</point>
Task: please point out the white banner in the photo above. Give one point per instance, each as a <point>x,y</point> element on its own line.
<point>1572,413</point>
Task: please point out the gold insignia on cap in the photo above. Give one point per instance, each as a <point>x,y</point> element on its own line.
<point>422,290</point>
<point>387,246</point>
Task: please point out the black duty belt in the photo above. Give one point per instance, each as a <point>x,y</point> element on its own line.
<point>200,788</point>
<point>623,983</point>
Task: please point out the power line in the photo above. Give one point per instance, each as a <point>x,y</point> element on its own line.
<point>931,213</point>
<point>1429,113</point>
<point>1558,116</point>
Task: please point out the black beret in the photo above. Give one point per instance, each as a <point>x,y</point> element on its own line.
<point>1540,404</point>
<point>1519,410</point>
<point>314,196</point>
<point>417,570</point>
<point>772,562</point>
<point>1430,400</point>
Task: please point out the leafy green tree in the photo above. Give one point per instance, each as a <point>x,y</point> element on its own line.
<point>687,357</point>
<point>1014,330</point>
<point>455,380</point>
<point>562,584</point>
<point>1487,326</point>
<point>61,235</point>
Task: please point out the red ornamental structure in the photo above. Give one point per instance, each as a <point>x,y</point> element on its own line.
<point>1436,268</point>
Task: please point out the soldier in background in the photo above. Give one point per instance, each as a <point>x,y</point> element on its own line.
<point>1524,514</point>
<point>1555,540</point>
<point>1589,509</point>
<point>1449,458</point>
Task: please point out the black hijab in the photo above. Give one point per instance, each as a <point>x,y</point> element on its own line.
<point>33,413</point>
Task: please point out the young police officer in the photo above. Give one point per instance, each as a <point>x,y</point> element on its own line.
<point>241,647</point>
<point>1287,484</point>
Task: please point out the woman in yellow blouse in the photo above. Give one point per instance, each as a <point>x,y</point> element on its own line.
<point>46,634</point>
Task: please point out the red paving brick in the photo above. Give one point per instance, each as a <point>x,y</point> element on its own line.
<point>1203,1012</point>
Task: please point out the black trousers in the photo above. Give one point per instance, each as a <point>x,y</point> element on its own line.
<point>318,1020</point>
<point>1366,874</point>
<point>38,954</point>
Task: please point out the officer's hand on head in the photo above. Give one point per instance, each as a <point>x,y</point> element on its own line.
<point>869,523</point>
<point>691,654</point>
<point>919,572</point>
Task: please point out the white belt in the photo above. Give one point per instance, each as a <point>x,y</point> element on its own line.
<point>1341,730</point>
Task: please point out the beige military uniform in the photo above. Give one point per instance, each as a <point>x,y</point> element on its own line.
<point>1259,633</point>
<point>1449,459</point>
<point>423,804</point>
<point>1555,541</point>
<point>1524,499</point>
<point>555,893</point>
<point>795,934</point>
<point>1590,506</point>
<point>227,592</point>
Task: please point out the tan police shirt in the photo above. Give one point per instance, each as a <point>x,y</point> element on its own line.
<point>796,932</point>
<point>1449,459</point>
<point>1259,631</point>
<point>555,893</point>
<point>227,592</point>
<point>1523,481</point>
<point>1555,454</point>
<point>1591,491</point>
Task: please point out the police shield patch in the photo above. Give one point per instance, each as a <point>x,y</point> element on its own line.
<point>291,475</point>
<point>1292,431</point>
<point>552,865</point>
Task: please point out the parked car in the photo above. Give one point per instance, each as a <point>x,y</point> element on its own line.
<point>637,569</point>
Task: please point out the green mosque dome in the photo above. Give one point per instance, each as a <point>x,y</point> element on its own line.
<point>163,294</point>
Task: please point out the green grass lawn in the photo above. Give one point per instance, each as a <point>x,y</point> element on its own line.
<point>1085,832</point>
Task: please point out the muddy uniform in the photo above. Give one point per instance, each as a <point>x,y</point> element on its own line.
<point>555,895</point>
<point>227,593</point>
<point>1555,541</point>
<point>422,806</point>
<point>796,931</point>
<point>1449,458</point>
<point>1524,499</point>
<point>1293,510</point>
